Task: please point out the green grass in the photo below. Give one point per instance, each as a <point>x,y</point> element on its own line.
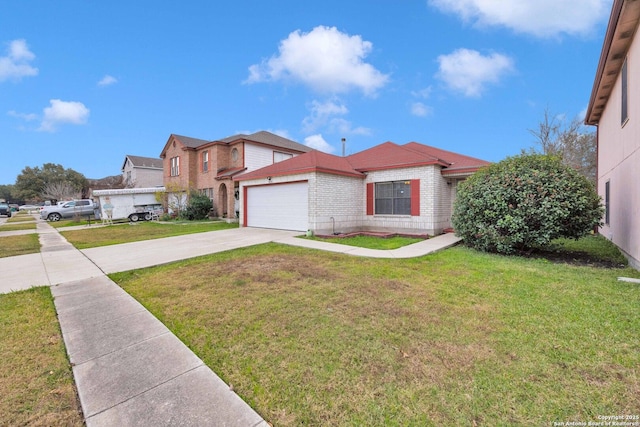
<point>74,222</point>
<point>18,245</point>
<point>18,226</point>
<point>22,217</point>
<point>454,338</point>
<point>370,242</point>
<point>36,382</point>
<point>124,233</point>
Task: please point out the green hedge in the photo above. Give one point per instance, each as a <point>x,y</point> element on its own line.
<point>524,202</point>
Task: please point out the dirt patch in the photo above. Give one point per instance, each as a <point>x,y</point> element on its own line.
<point>581,259</point>
<point>273,269</point>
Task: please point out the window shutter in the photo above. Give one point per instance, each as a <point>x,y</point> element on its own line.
<point>370,198</point>
<point>415,197</point>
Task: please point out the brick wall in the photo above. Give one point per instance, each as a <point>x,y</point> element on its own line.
<point>344,199</point>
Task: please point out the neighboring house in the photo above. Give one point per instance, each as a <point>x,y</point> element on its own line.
<point>401,188</point>
<point>209,166</point>
<point>614,108</point>
<point>141,172</point>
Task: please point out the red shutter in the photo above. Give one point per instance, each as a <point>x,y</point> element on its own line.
<point>370,198</point>
<point>415,197</point>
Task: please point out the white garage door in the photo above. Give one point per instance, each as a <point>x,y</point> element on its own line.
<point>280,206</point>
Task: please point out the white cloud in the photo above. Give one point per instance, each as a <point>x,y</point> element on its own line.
<point>61,112</point>
<point>468,72</point>
<point>16,64</point>
<point>582,115</point>
<point>24,116</point>
<point>317,142</point>
<point>107,80</point>
<point>321,113</point>
<point>422,93</point>
<point>540,18</point>
<point>324,59</point>
<point>421,110</point>
<point>344,127</point>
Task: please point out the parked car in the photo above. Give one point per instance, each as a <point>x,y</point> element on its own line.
<point>28,208</point>
<point>5,210</point>
<point>14,207</point>
<point>83,207</point>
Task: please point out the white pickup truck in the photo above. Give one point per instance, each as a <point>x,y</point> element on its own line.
<point>71,209</point>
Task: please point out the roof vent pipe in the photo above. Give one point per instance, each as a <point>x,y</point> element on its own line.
<point>344,141</point>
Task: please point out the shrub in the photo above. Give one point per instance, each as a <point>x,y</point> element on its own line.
<point>198,207</point>
<point>524,202</point>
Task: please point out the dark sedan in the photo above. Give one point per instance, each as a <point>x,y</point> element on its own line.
<point>5,210</point>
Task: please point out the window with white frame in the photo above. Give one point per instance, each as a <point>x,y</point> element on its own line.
<point>278,156</point>
<point>205,161</point>
<point>175,166</point>
<point>393,198</point>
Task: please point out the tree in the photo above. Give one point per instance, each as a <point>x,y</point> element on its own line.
<point>570,141</point>
<point>523,203</point>
<point>31,182</point>
<point>60,190</point>
<point>6,192</point>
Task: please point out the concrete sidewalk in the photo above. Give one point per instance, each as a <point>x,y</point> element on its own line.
<point>128,367</point>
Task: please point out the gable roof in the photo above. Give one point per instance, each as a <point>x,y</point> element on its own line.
<point>261,137</point>
<point>387,155</point>
<point>189,142</point>
<point>456,163</point>
<point>143,162</point>
<point>268,138</point>
<point>623,24</point>
<point>312,161</point>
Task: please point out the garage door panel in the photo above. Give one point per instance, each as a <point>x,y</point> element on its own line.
<point>279,206</point>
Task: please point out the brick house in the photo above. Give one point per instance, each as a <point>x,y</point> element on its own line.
<point>614,107</point>
<point>401,188</point>
<point>141,172</point>
<point>209,166</point>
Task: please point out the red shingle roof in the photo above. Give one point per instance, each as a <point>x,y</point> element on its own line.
<point>457,163</point>
<point>313,161</point>
<point>387,155</point>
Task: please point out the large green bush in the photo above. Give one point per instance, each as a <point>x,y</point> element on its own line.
<point>198,206</point>
<point>524,202</point>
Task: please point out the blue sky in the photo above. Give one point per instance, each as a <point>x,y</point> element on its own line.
<point>82,84</point>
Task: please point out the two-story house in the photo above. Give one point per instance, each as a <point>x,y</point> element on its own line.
<point>138,171</point>
<point>614,108</point>
<point>209,166</point>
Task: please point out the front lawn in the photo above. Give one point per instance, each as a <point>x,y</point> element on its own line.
<point>36,382</point>
<point>21,217</point>
<point>15,226</point>
<point>133,232</point>
<point>370,242</point>
<point>454,338</point>
<point>18,245</point>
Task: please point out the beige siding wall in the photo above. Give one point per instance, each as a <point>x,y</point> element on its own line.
<point>144,178</point>
<point>619,161</point>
